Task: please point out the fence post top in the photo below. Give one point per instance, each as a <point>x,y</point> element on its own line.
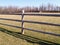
<point>23,11</point>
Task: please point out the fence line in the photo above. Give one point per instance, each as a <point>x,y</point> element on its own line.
<point>22,25</point>
<point>39,31</point>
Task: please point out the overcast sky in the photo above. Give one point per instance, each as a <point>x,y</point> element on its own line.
<point>23,3</point>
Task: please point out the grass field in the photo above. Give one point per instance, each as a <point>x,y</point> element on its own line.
<point>10,35</point>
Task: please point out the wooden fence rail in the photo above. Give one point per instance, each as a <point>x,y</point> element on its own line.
<point>35,22</point>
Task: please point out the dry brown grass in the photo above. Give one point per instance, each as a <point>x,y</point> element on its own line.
<point>14,41</point>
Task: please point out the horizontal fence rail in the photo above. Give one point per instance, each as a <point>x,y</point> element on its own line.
<point>55,15</point>
<point>38,14</point>
<point>45,23</point>
<point>35,22</point>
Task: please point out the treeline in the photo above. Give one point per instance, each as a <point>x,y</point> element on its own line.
<point>13,9</point>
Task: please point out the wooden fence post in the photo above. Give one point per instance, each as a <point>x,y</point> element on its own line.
<point>22,24</point>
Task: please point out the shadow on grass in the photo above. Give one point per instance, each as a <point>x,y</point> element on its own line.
<point>28,38</point>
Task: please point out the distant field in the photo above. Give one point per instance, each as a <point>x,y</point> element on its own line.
<point>10,40</point>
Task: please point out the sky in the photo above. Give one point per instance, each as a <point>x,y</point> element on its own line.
<point>23,3</point>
